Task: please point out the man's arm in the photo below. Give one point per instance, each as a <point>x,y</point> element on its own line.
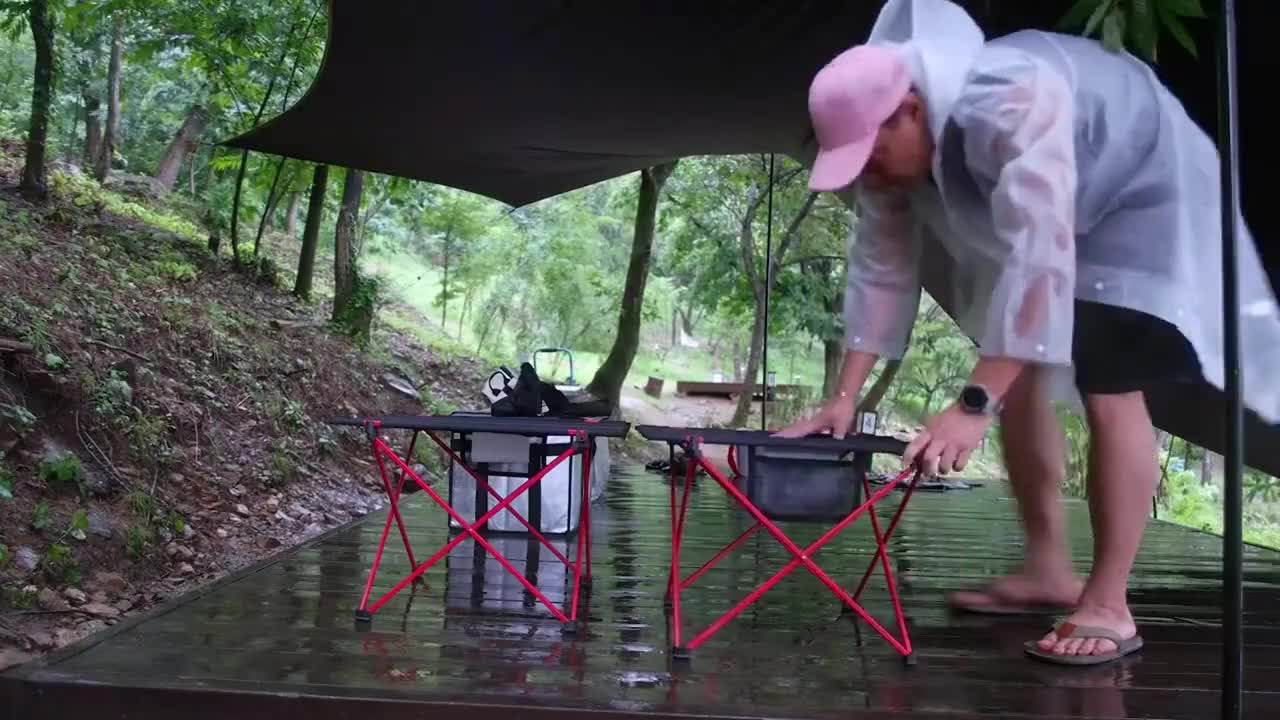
<point>882,292</point>
<point>880,303</point>
<point>857,366</point>
<point>1019,135</point>
<point>996,374</point>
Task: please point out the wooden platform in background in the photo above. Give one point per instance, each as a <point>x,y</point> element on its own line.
<point>729,389</point>
<point>279,641</point>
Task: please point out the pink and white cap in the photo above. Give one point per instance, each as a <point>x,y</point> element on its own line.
<point>849,100</point>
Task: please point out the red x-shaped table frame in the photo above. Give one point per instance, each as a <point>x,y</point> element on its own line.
<point>581,444</point>
<point>801,556</point>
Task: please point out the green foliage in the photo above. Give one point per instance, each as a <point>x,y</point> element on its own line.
<point>86,192</point>
<point>938,361</point>
<point>149,519</point>
<point>40,516</point>
<point>6,480</point>
<point>19,597</point>
<point>284,469</point>
<point>62,470</point>
<point>18,417</point>
<point>287,414</point>
<point>356,318</point>
<point>138,541</point>
<point>1135,24</point>
<point>174,269</point>
<point>59,565</point>
<point>149,439</point>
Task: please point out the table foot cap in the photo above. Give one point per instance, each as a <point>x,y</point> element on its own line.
<point>363,619</point>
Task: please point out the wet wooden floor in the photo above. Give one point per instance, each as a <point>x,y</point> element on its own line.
<point>281,639</point>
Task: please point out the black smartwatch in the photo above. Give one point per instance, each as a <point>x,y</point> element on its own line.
<point>975,400</point>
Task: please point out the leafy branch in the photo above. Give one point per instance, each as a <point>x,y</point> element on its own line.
<point>1134,24</point>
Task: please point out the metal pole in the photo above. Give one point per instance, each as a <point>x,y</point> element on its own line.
<point>1233,448</point>
<point>768,284</point>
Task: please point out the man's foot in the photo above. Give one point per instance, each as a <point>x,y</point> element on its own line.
<point>1021,594</point>
<point>1118,621</point>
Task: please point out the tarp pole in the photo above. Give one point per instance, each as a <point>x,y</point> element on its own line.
<point>768,287</point>
<point>1233,447</point>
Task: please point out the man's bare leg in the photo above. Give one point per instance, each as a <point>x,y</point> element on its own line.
<point>1035,454</point>
<point>1123,473</point>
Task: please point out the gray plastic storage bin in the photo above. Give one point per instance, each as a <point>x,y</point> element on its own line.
<point>790,484</point>
<point>553,505</point>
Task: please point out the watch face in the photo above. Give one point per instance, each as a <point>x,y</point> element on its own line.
<point>974,398</point>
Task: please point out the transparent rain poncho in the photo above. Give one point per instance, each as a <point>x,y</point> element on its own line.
<point>1063,171</point>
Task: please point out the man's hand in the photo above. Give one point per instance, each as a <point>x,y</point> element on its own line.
<point>835,416</point>
<point>947,441</point>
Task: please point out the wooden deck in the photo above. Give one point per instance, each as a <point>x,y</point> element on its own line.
<point>280,638</point>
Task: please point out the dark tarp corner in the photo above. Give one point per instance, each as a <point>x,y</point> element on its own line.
<point>521,101</point>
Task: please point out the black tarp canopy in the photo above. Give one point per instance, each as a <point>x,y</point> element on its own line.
<point>520,101</point>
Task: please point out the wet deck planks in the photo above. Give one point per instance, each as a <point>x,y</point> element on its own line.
<point>281,638</point>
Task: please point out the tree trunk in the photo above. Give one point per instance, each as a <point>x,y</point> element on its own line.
<point>485,327</point>
<point>686,322</point>
<point>92,130</point>
<point>747,397</point>
<point>291,215</point>
<point>182,145</point>
<point>502,325</point>
<point>344,260</point>
<point>69,151</point>
<point>111,134</point>
<point>1208,460</point>
<point>244,154</point>
<point>832,347</point>
<point>832,355</point>
<point>273,198</point>
<point>871,401</point>
<point>311,233</point>
<point>608,380</point>
<point>762,288</point>
<point>35,186</point>
<point>444,286</point>
<point>1161,492</point>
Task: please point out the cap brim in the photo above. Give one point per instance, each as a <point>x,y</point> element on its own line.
<point>836,168</point>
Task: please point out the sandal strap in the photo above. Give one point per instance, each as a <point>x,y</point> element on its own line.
<point>1071,630</point>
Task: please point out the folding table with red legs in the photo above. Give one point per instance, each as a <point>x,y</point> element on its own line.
<point>583,434</point>
<point>812,479</point>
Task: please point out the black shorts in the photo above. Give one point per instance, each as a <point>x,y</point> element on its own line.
<point>1117,350</point>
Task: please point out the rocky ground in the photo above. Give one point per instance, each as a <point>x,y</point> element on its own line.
<point>160,412</point>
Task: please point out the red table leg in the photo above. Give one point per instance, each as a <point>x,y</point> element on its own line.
<point>801,556</point>
<point>382,451</point>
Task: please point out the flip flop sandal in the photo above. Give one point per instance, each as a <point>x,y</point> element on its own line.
<point>998,608</point>
<point>1124,646</point>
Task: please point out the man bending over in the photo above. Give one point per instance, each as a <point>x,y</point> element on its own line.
<point>1075,206</point>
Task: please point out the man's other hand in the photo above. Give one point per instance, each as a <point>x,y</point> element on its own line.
<point>946,442</point>
<point>835,417</point>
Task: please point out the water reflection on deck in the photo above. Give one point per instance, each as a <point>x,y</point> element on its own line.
<point>281,639</point>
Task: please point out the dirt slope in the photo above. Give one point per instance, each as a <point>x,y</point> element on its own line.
<point>159,421</point>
